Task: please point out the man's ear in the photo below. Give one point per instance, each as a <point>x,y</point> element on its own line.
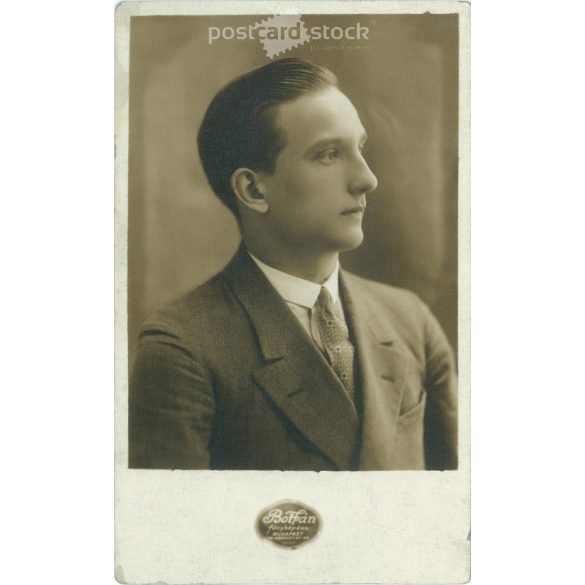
<point>246,187</point>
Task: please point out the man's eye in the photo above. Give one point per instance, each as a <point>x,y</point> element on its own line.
<point>328,155</point>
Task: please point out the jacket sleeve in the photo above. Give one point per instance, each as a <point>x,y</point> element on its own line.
<point>441,386</point>
<point>171,406</point>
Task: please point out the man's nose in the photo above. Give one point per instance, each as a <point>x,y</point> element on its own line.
<point>363,181</point>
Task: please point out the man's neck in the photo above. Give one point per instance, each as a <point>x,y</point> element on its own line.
<point>313,267</point>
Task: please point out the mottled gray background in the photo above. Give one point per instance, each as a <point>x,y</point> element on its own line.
<point>404,84</point>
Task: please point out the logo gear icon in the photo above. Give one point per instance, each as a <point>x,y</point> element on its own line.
<point>278,24</point>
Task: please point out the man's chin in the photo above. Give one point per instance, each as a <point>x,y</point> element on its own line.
<point>351,241</point>
<point>342,241</point>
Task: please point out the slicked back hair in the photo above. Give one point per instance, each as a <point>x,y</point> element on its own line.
<point>238,129</point>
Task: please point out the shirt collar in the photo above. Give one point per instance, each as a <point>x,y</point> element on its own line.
<point>298,290</point>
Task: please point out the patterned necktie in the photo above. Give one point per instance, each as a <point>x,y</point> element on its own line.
<point>335,339</point>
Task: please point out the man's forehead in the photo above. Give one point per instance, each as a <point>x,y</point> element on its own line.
<point>319,115</point>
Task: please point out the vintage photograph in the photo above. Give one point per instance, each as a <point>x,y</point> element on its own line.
<point>292,223</point>
<point>317,346</point>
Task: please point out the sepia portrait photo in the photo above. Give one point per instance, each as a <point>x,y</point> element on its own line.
<point>292,299</point>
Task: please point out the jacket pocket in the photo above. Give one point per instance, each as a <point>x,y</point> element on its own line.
<point>415,413</point>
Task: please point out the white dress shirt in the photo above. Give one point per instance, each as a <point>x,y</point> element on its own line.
<point>301,295</point>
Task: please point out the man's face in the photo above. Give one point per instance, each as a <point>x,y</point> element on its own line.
<point>317,193</point>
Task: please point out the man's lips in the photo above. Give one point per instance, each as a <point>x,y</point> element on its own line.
<point>357,209</point>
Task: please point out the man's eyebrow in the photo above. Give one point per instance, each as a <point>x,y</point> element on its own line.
<point>333,140</point>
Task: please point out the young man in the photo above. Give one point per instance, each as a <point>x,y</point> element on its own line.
<point>283,360</point>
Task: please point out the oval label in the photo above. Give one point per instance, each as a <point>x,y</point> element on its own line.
<point>289,524</point>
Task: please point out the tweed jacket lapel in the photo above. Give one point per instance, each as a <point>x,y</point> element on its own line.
<point>382,370</point>
<point>294,373</point>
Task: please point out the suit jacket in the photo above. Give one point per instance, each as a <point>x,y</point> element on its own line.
<point>227,378</point>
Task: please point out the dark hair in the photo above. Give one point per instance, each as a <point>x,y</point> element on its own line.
<point>238,128</point>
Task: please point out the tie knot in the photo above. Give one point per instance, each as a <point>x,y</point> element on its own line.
<point>325,299</point>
